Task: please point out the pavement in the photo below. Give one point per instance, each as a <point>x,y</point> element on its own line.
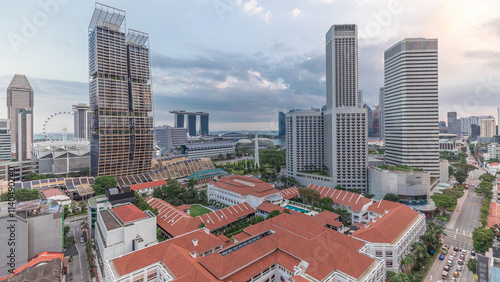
<point>77,271</point>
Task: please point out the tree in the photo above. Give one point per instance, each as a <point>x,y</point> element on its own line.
<point>391,197</point>
<point>482,239</point>
<point>338,187</point>
<point>102,183</point>
<point>421,254</point>
<point>310,195</point>
<point>192,182</point>
<point>159,235</point>
<point>407,262</point>
<point>443,201</point>
<point>273,214</point>
<point>286,211</point>
<point>369,196</point>
<point>460,177</point>
<point>472,265</point>
<point>201,225</point>
<point>487,177</point>
<point>22,195</point>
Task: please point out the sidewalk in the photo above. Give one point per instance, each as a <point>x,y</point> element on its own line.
<point>456,212</point>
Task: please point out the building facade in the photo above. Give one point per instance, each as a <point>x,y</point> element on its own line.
<point>208,150</point>
<point>204,125</point>
<point>82,120</point>
<point>120,95</point>
<point>411,84</point>
<point>467,122</point>
<point>19,96</point>
<point>408,185</point>
<point>454,124</point>
<point>281,124</point>
<point>168,137</point>
<point>488,128</point>
<point>5,145</point>
<point>191,126</point>
<point>24,134</point>
<point>381,108</point>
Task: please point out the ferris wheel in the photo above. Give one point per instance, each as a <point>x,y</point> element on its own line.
<point>58,125</point>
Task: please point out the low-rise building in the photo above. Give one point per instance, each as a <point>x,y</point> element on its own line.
<point>447,145</point>
<point>289,193</point>
<point>94,205</point>
<point>56,195</point>
<point>392,229</point>
<point>237,189</point>
<point>493,168</point>
<point>208,150</point>
<point>409,184</point>
<point>147,187</point>
<point>123,229</point>
<point>206,176</point>
<point>355,203</point>
<point>283,248</point>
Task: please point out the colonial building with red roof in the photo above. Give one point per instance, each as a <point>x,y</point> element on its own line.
<point>355,203</point>
<point>290,193</point>
<point>277,249</point>
<point>123,229</point>
<point>147,187</point>
<point>237,189</point>
<point>392,229</point>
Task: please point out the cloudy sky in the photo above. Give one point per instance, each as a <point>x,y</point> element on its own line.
<point>244,60</point>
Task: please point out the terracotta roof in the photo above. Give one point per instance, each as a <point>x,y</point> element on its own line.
<point>353,200</point>
<point>323,218</point>
<point>51,192</point>
<point>245,185</point>
<point>241,236</point>
<point>183,207</point>
<point>41,257</point>
<point>493,164</point>
<point>494,215</point>
<point>393,220</point>
<point>225,216</point>
<point>129,213</point>
<point>172,220</point>
<point>152,184</point>
<point>289,193</point>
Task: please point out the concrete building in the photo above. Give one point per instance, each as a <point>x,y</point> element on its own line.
<point>208,150</point>
<point>304,142</point>
<point>467,122</point>
<point>447,145</point>
<point>179,120</point>
<point>381,113</point>
<point>237,189</point>
<point>19,232</point>
<point>475,130</point>
<point>120,95</point>
<point>95,205</point>
<point>412,135</point>
<point>168,137</point>
<point>281,124</point>
<point>191,122</point>
<point>123,229</point>
<point>56,195</point>
<point>494,150</point>
<point>82,120</point>
<point>391,231</point>
<point>20,169</point>
<point>19,96</point>
<point>408,185</point>
<point>346,124</point>
<point>454,124</point>
<point>488,128</point>
<point>5,145</point>
<point>24,134</point>
<point>204,130</point>
<point>369,115</point>
<point>62,157</point>
<point>191,126</point>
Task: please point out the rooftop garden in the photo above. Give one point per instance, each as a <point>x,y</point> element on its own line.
<point>399,167</point>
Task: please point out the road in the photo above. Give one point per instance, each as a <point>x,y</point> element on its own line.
<point>77,271</point>
<point>438,267</point>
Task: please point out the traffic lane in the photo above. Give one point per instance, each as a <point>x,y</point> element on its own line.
<point>79,266</point>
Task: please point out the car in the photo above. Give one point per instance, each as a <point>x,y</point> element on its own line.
<point>449,263</point>
<point>455,274</point>
<point>446,268</point>
<point>464,252</point>
<point>462,256</point>
<point>453,253</point>
<point>81,240</point>
<point>441,257</point>
<point>453,279</point>
<point>455,249</point>
<point>459,268</point>
<point>452,258</point>
<point>461,262</point>
<point>472,253</point>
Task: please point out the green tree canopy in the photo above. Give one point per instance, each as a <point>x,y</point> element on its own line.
<point>273,214</point>
<point>472,265</point>
<point>22,195</point>
<point>444,201</point>
<point>391,197</point>
<point>102,183</point>
<point>482,239</point>
<point>310,195</point>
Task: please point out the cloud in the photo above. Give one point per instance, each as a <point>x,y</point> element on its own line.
<point>296,13</point>
<point>252,8</point>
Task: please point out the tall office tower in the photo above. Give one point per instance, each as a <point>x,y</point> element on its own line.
<point>381,109</point>
<point>281,124</point>
<point>454,124</point>
<point>304,141</point>
<point>5,153</point>
<point>24,131</point>
<point>360,99</point>
<point>168,137</point>
<point>120,95</point>
<point>19,96</point>
<point>82,120</point>
<point>179,120</point>
<point>411,104</point>
<point>346,127</point>
<point>475,130</point>
<point>192,125</point>
<point>370,120</point>
<point>204,125</point>
<point>498,119</point>
<point>488,128</point>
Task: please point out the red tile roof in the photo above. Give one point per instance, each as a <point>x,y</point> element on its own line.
<point>245,185</point>
<point>353,200</point>
<point>226,216</point>
<point>152,184</point>
<point>290,193</point>
<point>41,257</point>
<point>172,220</point>
<point>323,218</point>
<point>494,215</point>
<point>51,192</point>
<point>393,220</point>
<point>241,236</point>
<point>183,207</point>
<point>129,213</point>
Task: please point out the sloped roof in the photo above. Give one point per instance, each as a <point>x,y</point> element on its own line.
<point>245,185</point>
<point>128,213</point>
<point>146,185</point>
<point>290,193</point>
<point>353,200</point>
<point>225,216</point>
<point>172,220</point>
<point>20,81</point>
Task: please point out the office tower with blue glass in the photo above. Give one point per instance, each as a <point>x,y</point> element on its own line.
<point>281,124</point>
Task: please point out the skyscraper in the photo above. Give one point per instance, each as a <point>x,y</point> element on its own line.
<point>120,95</point>
<point>411,104</point>
<point>19,96</point>
<point>346,125</point>
<point>488,128</point>
<point>179,120</point>
<point>381,108</point>
<point>454,124</point>
<point>192,125</point>
<point>5,145</point>
<point>281,124</point>
<point>82,120</point>
<point>370,120</point>
<point>204,125</point>
<point>24,131</point>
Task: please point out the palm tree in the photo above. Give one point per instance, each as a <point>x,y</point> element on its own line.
<point>407,262</point>
<point>420,252</point>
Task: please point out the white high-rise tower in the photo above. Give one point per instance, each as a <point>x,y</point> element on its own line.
<point>256,158</point>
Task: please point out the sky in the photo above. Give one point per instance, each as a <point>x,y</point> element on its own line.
<point>242,61</point>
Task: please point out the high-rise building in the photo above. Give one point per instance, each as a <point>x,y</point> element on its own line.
<point>304,141</point>
<point>466,122</point>
<point>360,99</point>
<point>475,130</point>
<point>454,124</point>
<point>281,124</point>
<point>24,131</point>
<point>19,96</point>
<point>204,125</point>
<point>5,145</point>
<point>168,137</point>
<point>488,128</point>
<point>82,121</point>
<point>381,109</point>
<point>411,85</point>
<point>370,120</point>
<point>346,124</point>
<point>179,120</point>
<point>120,95</point>
<point>191,125</point>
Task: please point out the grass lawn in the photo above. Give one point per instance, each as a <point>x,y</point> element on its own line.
<point>197,210</point>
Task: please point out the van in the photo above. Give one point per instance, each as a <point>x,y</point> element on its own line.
<point>444,275</point>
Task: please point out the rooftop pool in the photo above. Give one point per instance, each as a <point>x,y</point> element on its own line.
<point>296,209</point>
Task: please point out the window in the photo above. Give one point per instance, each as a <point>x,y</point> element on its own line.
<point>388,263</point>
<point>388,253</point>
<point>378,254</point>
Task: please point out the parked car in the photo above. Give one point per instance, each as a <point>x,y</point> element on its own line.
<point>453,253</point>
<point>455,274</point>
<point>81,240</point>
<point>461,262</point>
<point>462,256</point>
<point>459,268</point>
<point>446,268</point>
<point>453,279</point>
<point>449,263</point>
<point>455,249</point>
<point>441,257</point>
<point>472,253</point>
<point>452,258</point>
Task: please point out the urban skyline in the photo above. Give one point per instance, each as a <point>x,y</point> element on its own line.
<point>289,66</point>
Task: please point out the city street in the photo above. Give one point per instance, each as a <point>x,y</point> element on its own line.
<point>77,270</point>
